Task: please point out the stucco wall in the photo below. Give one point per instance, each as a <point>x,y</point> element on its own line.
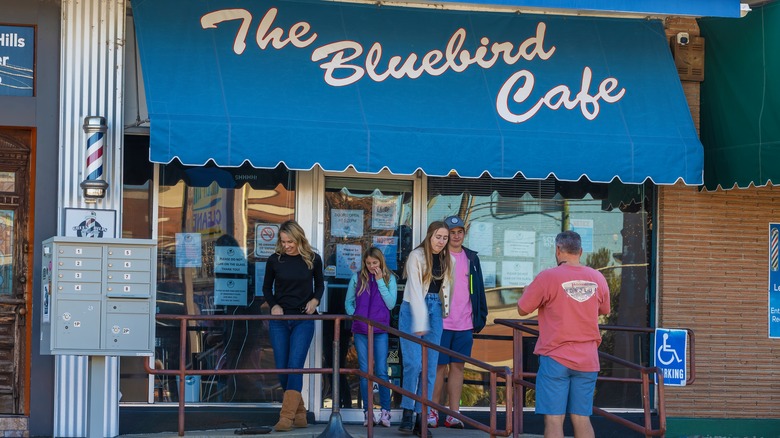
<point>713,278</point>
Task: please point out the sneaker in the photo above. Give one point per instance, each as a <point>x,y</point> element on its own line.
<point>407,422</point>
<point>384,419</point>
<point>453,423</point>
<point>365,419</point>
<point>433,418</point>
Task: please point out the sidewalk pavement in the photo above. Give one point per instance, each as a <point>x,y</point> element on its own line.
<point>314,430</point>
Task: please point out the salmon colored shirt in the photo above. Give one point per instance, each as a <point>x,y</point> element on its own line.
<point>570,299</point>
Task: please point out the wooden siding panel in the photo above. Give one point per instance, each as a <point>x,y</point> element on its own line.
<point>713,279</point>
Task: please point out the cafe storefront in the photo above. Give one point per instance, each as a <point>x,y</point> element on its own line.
<point>365,123</point>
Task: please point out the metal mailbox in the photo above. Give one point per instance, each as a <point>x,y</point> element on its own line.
<point>98,296</point>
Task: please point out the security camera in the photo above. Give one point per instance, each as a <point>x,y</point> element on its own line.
<point>683,38</point>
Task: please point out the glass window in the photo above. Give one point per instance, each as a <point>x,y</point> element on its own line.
<point>6,252</point>
<point>360,213</point>
<point>8,182</point>
<point>216,228</point>
<point>136,224</point>
<point>513,224</point>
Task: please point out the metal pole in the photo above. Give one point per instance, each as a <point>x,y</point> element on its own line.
<point>335,427</point>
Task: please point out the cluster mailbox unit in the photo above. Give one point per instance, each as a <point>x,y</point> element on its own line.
<point>98,296</point>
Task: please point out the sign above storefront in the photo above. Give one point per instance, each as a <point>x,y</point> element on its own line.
<point>341,85</point>
<point>17,60</point>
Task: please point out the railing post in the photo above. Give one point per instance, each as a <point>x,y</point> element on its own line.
<point>182,370</point>
<point>518,394</point>
<point>335,427</point>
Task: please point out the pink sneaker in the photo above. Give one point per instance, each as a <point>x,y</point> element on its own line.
<point>453,423</point>
<point>384,419</point>
<point>433,418</point>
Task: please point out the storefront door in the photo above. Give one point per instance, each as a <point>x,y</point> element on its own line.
<point>359,214</point>
<point>14,253</point>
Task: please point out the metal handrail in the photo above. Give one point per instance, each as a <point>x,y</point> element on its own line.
<point>647,430</point>
<point>496,372</point>
<point>335,420</point>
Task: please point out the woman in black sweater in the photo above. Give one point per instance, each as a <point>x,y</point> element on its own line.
<point>293,286</point>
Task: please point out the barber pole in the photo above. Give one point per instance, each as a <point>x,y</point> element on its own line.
<point>775,249</point>
<point>95,128</point>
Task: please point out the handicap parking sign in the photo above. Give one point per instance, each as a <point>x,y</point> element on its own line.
<point>671,349</point>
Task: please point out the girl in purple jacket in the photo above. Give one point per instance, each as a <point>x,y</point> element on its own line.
<point>371,294</point>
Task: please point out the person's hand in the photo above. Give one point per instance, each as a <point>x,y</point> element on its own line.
<point>311,306</point>
<point>421,334</point>
<point>277,310</point>
<point>377,271</point>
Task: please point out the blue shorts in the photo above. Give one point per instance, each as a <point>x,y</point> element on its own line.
<point>561,390</point>
<point>458,341</point>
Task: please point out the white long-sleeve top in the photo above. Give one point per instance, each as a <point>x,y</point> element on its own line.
<point>415,291</point>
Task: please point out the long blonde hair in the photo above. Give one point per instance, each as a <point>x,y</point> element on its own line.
<point>444,255</point>
<point>295,232</point>
<point>364,276</point>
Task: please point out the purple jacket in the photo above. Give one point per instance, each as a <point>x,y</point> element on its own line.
<point>374,303</point>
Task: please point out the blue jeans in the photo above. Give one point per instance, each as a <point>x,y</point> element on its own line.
<point>412,352</point>
<point>290,341</point>
<point>380,368</point>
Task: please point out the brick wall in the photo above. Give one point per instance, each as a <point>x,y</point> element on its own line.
<point>713,279</point>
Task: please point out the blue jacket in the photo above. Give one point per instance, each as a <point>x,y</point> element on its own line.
<point>479,309</point>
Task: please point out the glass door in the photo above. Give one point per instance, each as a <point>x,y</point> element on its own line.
<point>358,214</point>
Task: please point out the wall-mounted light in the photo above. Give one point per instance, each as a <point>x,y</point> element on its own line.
<point>94,187</point>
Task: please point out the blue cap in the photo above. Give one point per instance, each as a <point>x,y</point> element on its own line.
<point>454,222</point>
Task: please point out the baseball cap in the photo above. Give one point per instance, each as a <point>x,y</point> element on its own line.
<point>454,222</point>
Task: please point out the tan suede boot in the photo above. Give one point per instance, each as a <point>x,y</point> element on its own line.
<point>287,414</point>
<point>300,415</point>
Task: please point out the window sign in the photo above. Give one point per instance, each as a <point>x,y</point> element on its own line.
<point>517,274</point>
<point>265,240</point>
<point>519,243</point>
<point>259,278</point>
<point>584,227</point>
<point>389,247</point>
<point>480,235</point>
<point>347,260</point>
<point>385,212</point>
<point>188,250</point>
<point>346,223</point>
<point>17,60</point>
<point>489,274</point>
<point>229,260</point>
<point>230,291</point>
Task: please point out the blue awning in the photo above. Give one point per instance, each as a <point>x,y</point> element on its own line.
<point>694,8</point>
<point>339,85</point>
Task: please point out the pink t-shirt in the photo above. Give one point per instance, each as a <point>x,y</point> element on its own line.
<point>459,318</point>
<point>570,300</point>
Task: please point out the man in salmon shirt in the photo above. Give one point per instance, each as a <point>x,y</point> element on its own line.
<point>570,298</point>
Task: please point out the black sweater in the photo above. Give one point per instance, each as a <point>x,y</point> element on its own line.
<point>291,284</point>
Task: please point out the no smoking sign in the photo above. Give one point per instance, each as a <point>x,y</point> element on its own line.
<point>265,239</point>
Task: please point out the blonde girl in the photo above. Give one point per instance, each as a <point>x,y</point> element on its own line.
<point>371,294</point>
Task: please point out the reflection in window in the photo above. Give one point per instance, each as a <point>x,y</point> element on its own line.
<point>513,224</point>
<point>8,182</point>
<point>216,228</point>
<point>6,251</point>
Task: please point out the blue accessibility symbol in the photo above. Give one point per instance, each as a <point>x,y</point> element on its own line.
<point>671,349</point>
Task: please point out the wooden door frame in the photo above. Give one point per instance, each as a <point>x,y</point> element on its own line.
<point>18,156</point>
